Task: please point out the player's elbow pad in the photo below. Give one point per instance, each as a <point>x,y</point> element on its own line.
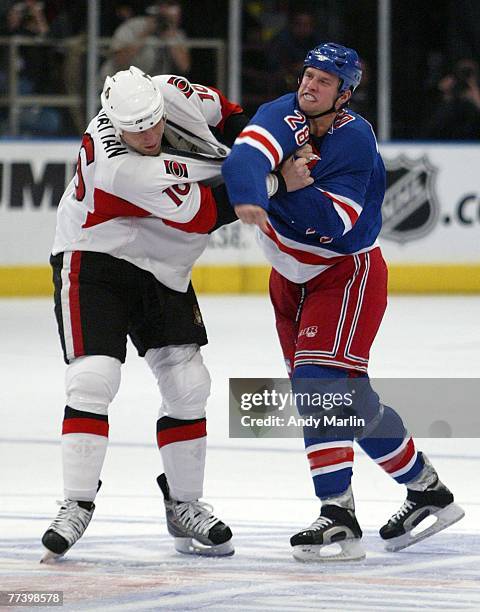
<point>233,125</point>
<point>229,167</point>
<point>225,212</point>
<point>326,221</point>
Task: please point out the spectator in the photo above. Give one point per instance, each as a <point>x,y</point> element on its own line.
<point>457,115</point>
<point>24,19</point>
<point>289,47</point>
<point>133,42</point>
<point>113,15</point>
<point>28,19</point>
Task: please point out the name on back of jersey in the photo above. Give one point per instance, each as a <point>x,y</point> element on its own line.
<point>111,143</point>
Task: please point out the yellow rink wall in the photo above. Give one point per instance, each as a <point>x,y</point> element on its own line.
<point>23,281</point>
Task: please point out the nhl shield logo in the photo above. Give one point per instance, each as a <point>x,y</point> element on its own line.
<point>410,209</point>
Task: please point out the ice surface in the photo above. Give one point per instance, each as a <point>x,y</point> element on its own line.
<point>260,487</point>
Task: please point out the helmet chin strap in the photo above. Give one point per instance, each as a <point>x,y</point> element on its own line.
<point>327,112</point>
<point>332,109</point>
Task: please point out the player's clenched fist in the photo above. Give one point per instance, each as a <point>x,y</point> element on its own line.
<point>296,173</point>
<point>252,215</point>
<point>307,152</point>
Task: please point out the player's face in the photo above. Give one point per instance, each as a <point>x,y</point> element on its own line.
<point>318,91</point>
<point>148,142</point>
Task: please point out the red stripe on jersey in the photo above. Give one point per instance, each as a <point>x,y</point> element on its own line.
<point>227,108</point>
<point>351,212</point>
<point>400,460</point>
<point>182,433</point>
<point>330,456</point>
<point>108,206</point>
<point>250,132</point>
<point>90,426</point>
<point>338,356</point>
<point>74,304</point>
<point>303,256</point>
<point>205,218</point>
<point>311,164</point>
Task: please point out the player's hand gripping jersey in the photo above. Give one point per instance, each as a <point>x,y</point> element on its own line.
<point>155,212</point>
<point>338,215</point>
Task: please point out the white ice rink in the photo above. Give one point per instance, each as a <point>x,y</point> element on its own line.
<point>260,487</point>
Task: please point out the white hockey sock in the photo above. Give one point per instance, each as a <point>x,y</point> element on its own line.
<point>84,444</point>
<point>183,445</point>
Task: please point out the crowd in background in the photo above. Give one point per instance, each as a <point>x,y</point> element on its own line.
<point>435,54</point>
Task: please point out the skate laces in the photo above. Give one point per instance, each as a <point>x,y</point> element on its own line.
<point>71,520</point>
<point>404,510</point>
<point>321,522</point>
<point>196,515</point>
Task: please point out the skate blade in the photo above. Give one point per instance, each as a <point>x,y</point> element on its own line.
<point>189,546</point>
<point>445,517</point>
<point>347,550</point>
<point>50,557</point>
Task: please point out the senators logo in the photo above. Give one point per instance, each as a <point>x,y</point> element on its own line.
<point>181,84</point>
<point>176,168</point>
<point>197,316</point>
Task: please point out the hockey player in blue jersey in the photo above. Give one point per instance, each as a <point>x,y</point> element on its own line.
<point>328,287</point>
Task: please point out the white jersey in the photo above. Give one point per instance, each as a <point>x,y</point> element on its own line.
<point>150,211</point>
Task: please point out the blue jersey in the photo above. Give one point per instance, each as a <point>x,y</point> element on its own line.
<point>339,215</point>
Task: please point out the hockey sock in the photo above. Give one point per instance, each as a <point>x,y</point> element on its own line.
<point>392,448</point>
<point>183,444</point>
<point>84,444</point>
<point>329,452</point>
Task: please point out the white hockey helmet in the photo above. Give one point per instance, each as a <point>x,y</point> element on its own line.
<point>132,101</point>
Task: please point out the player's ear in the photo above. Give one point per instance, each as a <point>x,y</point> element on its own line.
<point>343,99</point>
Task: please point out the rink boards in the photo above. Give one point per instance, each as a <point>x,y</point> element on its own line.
<point>431,220</point>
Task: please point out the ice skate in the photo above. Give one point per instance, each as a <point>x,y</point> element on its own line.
<point>68,527</point>
<point>405,527</point>
<point>195,529</point>
<point>334,536</point>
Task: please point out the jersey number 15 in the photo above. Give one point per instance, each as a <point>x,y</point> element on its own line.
<point>87,146</point>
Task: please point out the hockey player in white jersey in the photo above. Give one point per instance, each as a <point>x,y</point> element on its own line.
<point>130,226</point>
